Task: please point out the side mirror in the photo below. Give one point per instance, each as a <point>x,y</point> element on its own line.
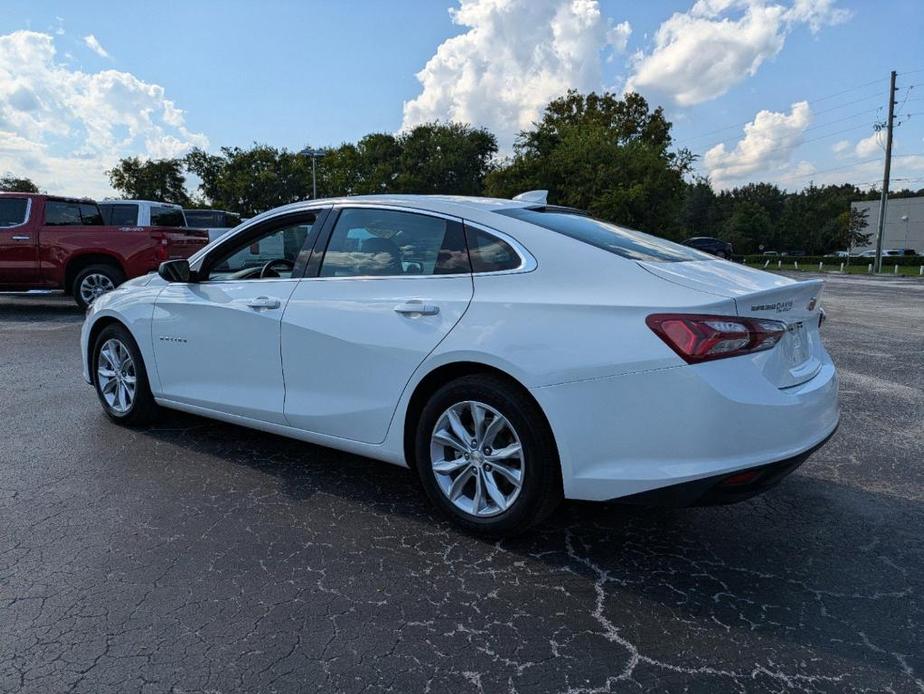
<point>175,270</point>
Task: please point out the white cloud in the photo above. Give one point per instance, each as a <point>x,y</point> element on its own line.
<point>94,45</point>
<point>63,127</point>
<point>515,57</point>
<point>840,147</point>
<point>768,143</point>
<point>870,146</point>
<point>700,54</point>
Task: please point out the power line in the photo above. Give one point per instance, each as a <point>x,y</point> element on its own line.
<point>813,101</point>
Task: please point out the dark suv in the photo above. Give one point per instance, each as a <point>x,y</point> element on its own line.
<point>707,244</point>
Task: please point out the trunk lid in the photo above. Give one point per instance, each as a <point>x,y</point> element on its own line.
<point>797,357</point>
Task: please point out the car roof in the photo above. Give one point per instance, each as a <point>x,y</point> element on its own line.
<point>113,201</point>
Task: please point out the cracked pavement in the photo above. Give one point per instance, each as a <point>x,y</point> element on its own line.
<point>196,556</point>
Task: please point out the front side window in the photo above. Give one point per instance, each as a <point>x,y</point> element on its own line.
<point>627,243</point>
<point>59,213</point>
<point>370,242</point>
<point>120,214</point>
<point>13,211</point>
<point>275,254</point>
<point>162,216</point>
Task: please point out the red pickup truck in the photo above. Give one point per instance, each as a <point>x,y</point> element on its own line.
<point>50,242</point>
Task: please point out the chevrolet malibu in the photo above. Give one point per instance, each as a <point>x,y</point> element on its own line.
<point>512,353</point>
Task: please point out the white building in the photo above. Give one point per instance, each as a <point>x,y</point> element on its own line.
<point>904,224</point>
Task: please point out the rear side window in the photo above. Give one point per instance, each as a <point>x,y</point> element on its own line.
<point>489,253</point>
<point>13,211</point>
<point>627,243</point>
<point>389,243</point>
<point>90,214</point>
<point>58,213</point>
<point>162,216</point>
<point>120,214</point>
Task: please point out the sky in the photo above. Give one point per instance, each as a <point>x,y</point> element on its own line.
<point>786,91</point>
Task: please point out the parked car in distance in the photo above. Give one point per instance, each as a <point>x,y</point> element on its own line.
<point>886,253</point>
<point>707,244</point>
<point>58,243</point>
<point>142,213</point>
<point>770,253</point>
<point>217,222</point>
<point>416,330</point>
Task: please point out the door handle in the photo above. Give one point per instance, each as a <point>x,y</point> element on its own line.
<point>264,302</point>
<point>21,238</point>
<point>417,307</point>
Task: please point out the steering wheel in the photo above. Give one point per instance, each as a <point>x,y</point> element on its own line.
<point>268,270</point>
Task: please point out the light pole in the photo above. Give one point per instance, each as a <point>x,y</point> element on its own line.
<point>315,154</point>
<point>905,220</point>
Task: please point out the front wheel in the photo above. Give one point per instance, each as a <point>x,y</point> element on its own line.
<point>94,281</point>
<point>120,378</point>
<point>486,457</point>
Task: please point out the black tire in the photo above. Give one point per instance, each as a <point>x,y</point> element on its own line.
<point>142,410</point>
<point>541,489</point>
<point>110,273</point>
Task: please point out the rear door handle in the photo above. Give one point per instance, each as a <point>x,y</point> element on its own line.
<point>21,238</point>
<point>264,302</point>
<point>416,307</point>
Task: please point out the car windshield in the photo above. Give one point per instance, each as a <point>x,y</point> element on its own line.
<point>627,243</point>
<point>12,211</point>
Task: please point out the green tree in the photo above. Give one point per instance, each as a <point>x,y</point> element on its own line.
<point>608,155</point>
<point>12,184</point>
<point>748,228</point>
<point>250,181</point>
<point>448,158</point>
<point>154,179</point>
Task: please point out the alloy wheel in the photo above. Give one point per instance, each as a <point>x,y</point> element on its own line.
<point>93,286</point>
<point>477,459</point>
<point>115,372</point>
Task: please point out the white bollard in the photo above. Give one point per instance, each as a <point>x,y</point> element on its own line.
<point>869,268</point>
<point>921,270</point>
<point>819,265</point>
<point>795,264</point>
<point>896,268</point>
<point>766,263</point>
<point>779,264</point>
<point>842,267</point>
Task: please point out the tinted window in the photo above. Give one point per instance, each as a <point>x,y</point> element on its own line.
<point>368,242</point>
<point>628,243</point>
<point>281,243</point>
<point>90,214</point>
<point>120,214</point>
<point>204,218</point>
<point>489,253</point>
<point>12,211</point>
<point>167,217</point>
<point>62,213</point>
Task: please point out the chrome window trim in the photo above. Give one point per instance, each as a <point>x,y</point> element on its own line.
<point>528,262</point>
<point>28,215</point>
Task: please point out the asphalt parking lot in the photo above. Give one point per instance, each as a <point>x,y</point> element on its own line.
<point>201,557</point>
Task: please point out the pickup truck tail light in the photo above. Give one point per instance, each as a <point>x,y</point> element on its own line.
<point>160,250</point>
<point>698,338</point>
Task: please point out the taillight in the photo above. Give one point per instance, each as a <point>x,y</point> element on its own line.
<point>697,338</point>
<point>160,251</point>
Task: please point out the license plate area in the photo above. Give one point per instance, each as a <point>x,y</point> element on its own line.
<point>797,344</point>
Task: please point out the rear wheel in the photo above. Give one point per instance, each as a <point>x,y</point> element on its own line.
<point>94,281</point>
<point>486,457</point>
<point>120,378</point>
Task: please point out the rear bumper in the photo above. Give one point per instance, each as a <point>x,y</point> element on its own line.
<point>725,488</point>
<point>623,436</point>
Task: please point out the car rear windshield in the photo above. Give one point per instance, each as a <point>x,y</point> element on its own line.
<point>12,211</point>
<point>627,243</point>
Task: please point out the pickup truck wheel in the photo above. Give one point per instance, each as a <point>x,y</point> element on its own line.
<point>94,281</point>
<point>120,378</point>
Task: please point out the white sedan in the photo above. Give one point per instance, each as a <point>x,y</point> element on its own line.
<point>512,353</point>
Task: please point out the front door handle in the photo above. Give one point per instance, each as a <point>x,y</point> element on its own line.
<point>417,307</point>
<point>264,302</point>
<point>21,238</point>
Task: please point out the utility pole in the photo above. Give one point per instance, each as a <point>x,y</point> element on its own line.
<point>315,154</point>
<point>877,267</point>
